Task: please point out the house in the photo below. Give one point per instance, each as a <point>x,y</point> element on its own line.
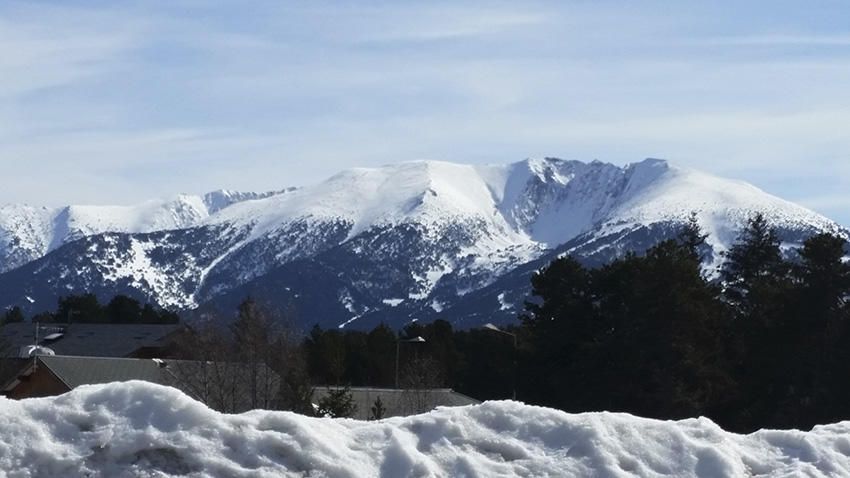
<point>90,340</point>
<point>398,402</point>
<point>224,386</point>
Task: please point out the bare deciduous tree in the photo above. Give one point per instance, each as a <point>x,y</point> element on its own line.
<point>254,363</point>
<point>420,377</point>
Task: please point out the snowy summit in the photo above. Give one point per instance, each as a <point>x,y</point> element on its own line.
<point>441,232</point>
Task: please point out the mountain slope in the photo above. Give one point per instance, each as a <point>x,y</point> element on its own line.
<point>28,233</point>
<point>422,239</point>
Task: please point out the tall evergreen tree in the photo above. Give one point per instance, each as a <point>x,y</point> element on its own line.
<point>338,403</point>
<point>754,265</point>
<point>757,285</point>
<point>561,328</point>
<point>692,237</point>
<point>817,335</point>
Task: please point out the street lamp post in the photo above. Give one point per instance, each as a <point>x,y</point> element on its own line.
<point>493,328</point>
<point>417,340</point>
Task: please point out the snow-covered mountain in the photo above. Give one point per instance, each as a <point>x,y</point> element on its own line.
<point>28,233</point>
<point>420,239</point>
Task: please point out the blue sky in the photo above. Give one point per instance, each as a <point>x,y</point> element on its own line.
<point>114,102</point>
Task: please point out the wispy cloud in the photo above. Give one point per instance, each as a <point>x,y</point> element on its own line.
<point>57,47</point>
<point>782,39</point>
<point>451,23</point>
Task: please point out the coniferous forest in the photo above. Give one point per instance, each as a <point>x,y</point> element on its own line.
<point>762,342</point>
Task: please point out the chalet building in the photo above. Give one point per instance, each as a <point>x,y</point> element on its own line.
<point>49,375</point>
<point>227,387</point>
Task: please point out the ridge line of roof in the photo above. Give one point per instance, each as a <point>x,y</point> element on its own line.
<point>385,389</point>
<point>39,358</point>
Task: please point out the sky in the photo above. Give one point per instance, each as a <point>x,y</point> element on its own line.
<point>106,102</point>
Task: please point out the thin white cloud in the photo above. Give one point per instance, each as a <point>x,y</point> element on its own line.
<point>782,39</point>
<point>59,47</point>
<point>447,23</point>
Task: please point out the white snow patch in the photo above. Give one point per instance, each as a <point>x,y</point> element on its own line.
<point>349,321</point>
<point>136,266</point>
<point>503,305</point>
<point>429,280</point>
<point>393,302</point>
<point>141,429</point>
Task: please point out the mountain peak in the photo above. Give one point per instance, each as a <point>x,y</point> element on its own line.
<point>220,199</point>
<point>419,234</point>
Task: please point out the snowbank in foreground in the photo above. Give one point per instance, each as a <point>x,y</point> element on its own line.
<point>140,429</point>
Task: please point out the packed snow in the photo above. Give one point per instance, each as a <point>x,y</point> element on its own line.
<point>140,429</point>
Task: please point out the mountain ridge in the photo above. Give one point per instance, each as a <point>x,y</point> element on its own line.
<point>401,241</point>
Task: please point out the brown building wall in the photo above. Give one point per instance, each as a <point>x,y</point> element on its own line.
<point>41,383</point>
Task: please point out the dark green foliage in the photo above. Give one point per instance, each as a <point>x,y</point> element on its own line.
<point>13,315</point>
<point>757,286</point>
<point>380,344</point>
<point>124,309</point>
<point>326,355</point>
<point>692,238</point>
<point>641,334</point>
<point>485,367</point>
<point>378,409</point>
<point>813,337</point>
<point>754,269</point>
<point>80,308</point>
<point>338,403</point>
<point>296,391</point>
<point>121,309</point>
<point>766,346</point>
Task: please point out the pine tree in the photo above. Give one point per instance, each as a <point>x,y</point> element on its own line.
<point>758,287</point>
<point>692,237</point>
<point>824,274</point>
<point>338,403</point>
<point>754,263</point>
<point>378,410</point>
<point>817,334</point>
<point>562,337</point>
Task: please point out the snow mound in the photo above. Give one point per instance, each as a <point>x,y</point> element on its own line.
<point>141,429</point>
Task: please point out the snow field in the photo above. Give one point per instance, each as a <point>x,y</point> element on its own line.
<point>141,429</point>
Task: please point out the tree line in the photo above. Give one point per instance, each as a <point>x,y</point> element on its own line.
<point>86,308</point>
<point>764,343</point>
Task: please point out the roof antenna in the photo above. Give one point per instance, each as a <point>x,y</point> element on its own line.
<point>35,347</point>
